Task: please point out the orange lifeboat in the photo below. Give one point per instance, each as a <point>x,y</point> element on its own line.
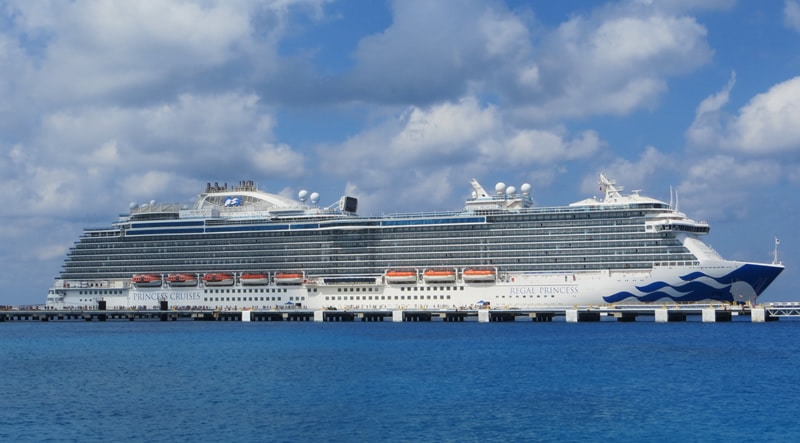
<point>182,280</point>
<point>479,275</point>
<point>250,278</point>
<point>146,280</point>
<point>216,279</point>
<point>288,278</point>
<point>401,276</point>
<point>439,276</point>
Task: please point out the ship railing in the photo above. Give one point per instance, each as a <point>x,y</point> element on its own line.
<point>534,210</point>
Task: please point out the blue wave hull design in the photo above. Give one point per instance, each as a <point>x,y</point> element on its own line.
<point>758,277</point>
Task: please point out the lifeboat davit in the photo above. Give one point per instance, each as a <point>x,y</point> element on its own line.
<point>249,278</point>
<point>146,280</point>
<point>216,279</point>
<point>288,278</point>
<point>401,276</point>
<point>479,275</point>
<point>439,276</point>
<point>182,280</point>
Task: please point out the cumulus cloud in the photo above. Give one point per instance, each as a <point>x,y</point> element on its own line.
<point>108,49</point>
<point>430,52</point>
<point>719,179</point>
<point>129,52</point>
<point>614,62</point>
<point>461,133</point>
<point>767,124</point>
<point>709,118</point>
<point>536,146</point>
<point>193,136</point>
<point>419,136</point>
<point>467,137</point>
<point>611,61</point>
<point>634,174</point>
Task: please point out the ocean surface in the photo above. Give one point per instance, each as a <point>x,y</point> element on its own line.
<point>229,381</point>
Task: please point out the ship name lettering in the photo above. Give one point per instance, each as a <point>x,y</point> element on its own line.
<point>543,290</point>
<point>171,296</point>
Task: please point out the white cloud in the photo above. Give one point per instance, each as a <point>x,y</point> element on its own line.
<point>504,35</point>
<point>791,14</point>
<point>719,179</point>
<point>535,146</point>
<point>124,51</point>
<point>634,174</point>
<point>277,160</point>
<point>449,142</point>
<point>613,62</point>
<point>709,119</point>
<point>420,136</point>
<point>767,124</point>
<point>94,148</point>
<point>98,48</point>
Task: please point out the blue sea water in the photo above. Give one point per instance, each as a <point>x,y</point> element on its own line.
<point>207,381</point>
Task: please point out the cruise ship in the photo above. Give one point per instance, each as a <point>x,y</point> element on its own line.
<point>243,248</point>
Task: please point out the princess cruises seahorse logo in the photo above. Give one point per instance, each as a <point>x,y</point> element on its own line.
<point>233,201</point>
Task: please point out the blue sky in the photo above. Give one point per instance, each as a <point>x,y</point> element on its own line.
<point>398,103</point>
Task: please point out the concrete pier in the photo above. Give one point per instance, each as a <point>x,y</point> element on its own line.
<point>572,314</point>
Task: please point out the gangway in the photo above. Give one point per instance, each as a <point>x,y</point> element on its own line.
<point>783,309</point>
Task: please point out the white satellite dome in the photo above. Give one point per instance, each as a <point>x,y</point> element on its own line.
<point>500,188</point>
<point>525,189</point>
<point>314,198</point>
<point>302,195</point>
<point>511,191</point>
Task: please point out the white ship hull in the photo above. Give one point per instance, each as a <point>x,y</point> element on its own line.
<point>724,281</point>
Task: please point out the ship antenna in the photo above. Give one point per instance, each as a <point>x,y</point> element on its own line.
<point>607,186</point>
<point>775,260</point>
<point>670,198</point>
